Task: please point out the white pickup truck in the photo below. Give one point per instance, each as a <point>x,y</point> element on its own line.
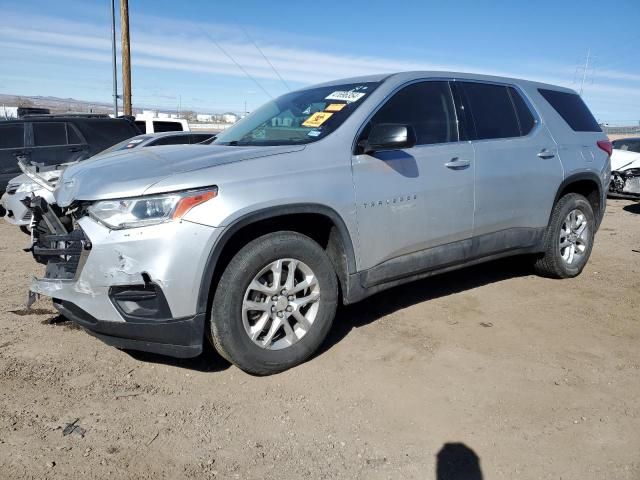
<point>157,124</point>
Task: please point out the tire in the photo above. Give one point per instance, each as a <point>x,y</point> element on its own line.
<point>24,229</point>
<point>233,318</point>
<point>552,263</point>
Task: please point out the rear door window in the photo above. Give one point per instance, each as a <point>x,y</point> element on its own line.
<point>73,137</point>
<point>492,109</point>
<point>526,120</point>
<point>12,135</point>
<point>46,134</point>
<point>427,106</point>
<point>572,109</point>
<point>142,125</point>
<point>159,126</point>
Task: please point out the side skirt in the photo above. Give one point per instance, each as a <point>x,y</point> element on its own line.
<point>441,259</point>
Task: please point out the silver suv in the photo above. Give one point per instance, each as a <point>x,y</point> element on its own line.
<point>330,193</point>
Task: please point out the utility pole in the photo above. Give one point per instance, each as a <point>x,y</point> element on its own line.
<point>584,73</point>
<point>126,57</point>
<point>113,54</point>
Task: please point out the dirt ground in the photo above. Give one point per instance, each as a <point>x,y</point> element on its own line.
<point>537,378</point>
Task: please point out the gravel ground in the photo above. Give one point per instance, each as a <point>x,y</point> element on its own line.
<point>530,377</point>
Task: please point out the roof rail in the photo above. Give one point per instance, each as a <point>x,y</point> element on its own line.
<point>67,115</point>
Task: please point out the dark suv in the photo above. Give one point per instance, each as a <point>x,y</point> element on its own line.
<point>53,140</point>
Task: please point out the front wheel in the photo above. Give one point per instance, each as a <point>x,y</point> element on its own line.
<point>568,239</point>
<point>274,304</point>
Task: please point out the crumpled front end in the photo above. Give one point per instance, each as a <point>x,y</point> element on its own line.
<point>625,183</point>
<point>133,288</point>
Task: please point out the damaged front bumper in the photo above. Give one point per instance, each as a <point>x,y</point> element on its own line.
<point>134,289</point>
<point>625,183</point>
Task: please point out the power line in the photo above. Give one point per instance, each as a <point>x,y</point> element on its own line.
<point>584,72</point>
<point>237,64</point>
<point>266,59</point>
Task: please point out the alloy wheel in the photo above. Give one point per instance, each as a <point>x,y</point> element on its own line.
<point>280,304</point>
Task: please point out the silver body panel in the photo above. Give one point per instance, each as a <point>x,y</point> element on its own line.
<point>393,204</point>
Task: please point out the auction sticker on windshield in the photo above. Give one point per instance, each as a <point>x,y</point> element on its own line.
<point>317,119</point>
<point>349,96</point>
<point>335,107</point>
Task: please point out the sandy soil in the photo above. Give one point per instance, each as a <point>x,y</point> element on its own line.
<point>537,378</point>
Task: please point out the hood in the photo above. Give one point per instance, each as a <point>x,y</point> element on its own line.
<point>622,160</point>
<point>130,173</point>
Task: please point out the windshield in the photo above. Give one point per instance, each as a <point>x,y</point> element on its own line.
<point>298,117</point>
<point>631,145</point>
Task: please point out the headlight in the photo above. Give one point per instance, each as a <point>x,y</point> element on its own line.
<point>151,210</point>
<point>28,187</point>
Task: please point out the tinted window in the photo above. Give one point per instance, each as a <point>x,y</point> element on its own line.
<point>49,133</point>
<point>526,121</point>
<point>142,125</point>
<point>73,136</point>
<point>427,106</point>
<point>102,133</point>
<point>200,137</point>
<point>628,145</point>
<point>167,127</point>
<point>12,135</point>
<point>572,109</point>
<point>493,112</point>
<point>171,140</point>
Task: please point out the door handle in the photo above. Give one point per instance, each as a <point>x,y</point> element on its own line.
<point>457,164</point>
<point>75,149</point>
<point>19,154</point>
<point>544,153</point>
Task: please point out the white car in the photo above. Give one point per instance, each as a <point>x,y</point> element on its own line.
<point>41,182</point>
<point>16,213</point>
<point>625,174</point>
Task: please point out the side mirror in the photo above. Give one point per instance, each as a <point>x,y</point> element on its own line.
<point>389,136</point>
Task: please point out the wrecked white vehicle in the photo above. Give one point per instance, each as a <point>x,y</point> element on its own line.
<point>16,212</point>
<point>41,180</point>
<point>625,174</point>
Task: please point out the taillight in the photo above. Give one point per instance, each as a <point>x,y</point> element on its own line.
<point>605,145</point>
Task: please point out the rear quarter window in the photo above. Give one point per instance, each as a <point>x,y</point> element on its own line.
<point>572,109</point>
<point>171,140</point>
<point>167,127</point>
<point>12,135</point>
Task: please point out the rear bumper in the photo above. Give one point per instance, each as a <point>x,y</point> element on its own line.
<point>179,337</point>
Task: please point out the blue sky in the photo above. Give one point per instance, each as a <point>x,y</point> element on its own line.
<point>62,48</point>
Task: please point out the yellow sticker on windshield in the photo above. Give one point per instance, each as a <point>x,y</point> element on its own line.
<point>317,119</point>
<point>335,107</point>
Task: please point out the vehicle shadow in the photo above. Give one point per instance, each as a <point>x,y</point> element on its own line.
<point>632,208</point>
<point>403,296</point>
<point>370,310</point>
<point>208,361</point>
<point>456,461</point>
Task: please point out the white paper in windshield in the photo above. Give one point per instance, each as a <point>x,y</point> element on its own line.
<point>345,96</point>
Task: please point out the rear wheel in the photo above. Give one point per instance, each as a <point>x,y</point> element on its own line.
<point>274,304</point>
<point>569,238</point>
